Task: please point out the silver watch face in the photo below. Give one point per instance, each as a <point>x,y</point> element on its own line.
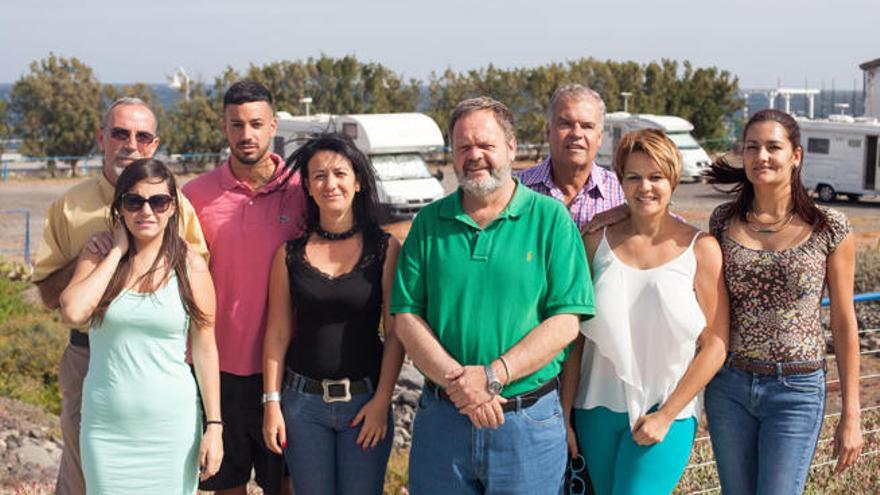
<point>495,387</point>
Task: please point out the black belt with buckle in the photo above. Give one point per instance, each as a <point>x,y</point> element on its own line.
<point>333,390</point>
<point>525,399</point>
<point>781,369</point>
<point>79,339</point>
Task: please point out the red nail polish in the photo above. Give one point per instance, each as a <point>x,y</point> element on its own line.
<point>284,444</point>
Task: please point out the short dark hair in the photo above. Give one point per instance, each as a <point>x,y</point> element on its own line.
<point>502,114</point>
<point>247,91</point>
<point>366,201</point>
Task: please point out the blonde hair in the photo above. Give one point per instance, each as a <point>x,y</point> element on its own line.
<point>659,148</point>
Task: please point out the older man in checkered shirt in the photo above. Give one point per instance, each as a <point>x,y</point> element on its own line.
<point>575,119</point>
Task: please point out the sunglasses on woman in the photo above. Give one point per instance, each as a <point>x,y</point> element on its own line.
<point>123,134</point>
<point>159,203</point>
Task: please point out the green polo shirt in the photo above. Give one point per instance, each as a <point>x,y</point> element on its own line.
<point>483,290</point>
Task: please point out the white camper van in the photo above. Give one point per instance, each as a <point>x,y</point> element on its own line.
<point>841,156</point>
<point>394,142</point>
<point>694,158</point>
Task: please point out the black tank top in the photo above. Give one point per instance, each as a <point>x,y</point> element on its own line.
<point>337,333</point>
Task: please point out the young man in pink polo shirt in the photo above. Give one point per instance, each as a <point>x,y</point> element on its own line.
<point>247,208</point>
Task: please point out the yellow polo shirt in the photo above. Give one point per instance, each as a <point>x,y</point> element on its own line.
<point>84,210</point>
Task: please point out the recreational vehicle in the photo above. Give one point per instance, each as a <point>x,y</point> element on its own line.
<point>394,142</point>
<point>841,156</point>
<point>694,158</point>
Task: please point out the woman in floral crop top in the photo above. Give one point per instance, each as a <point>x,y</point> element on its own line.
<point>765,407</point>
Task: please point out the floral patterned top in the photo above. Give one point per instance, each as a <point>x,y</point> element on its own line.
<point>775,295</point>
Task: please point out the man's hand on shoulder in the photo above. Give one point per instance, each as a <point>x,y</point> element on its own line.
<point>608,217</point>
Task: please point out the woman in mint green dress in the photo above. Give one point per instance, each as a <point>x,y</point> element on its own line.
<point>145,298</point>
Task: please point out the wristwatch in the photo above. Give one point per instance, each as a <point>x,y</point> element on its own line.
<point>271,397</point>
<point>494,384</point>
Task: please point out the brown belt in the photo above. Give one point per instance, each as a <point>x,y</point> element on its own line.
<point>783,369</point>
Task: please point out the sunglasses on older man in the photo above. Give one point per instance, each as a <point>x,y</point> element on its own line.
<point>123,134</point>
<point>159,203</point>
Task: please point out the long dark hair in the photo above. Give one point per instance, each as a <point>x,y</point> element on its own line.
<point>366,201</point>
<point>723,172</point>
<point>173,249</point>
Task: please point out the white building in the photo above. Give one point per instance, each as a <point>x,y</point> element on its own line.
<point>872,87</point>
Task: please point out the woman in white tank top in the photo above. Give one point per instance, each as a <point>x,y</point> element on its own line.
<point>658,337</point>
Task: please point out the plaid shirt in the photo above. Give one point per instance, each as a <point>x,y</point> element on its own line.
<point>601,192</point>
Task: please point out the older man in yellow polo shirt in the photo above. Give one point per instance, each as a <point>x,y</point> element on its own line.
<point>80,219</point>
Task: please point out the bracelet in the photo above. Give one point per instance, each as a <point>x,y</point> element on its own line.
<point>271,397</point>
<point>506,369</point>
<point>214,422</point>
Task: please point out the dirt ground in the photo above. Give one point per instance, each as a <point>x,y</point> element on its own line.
<point>692,201</point>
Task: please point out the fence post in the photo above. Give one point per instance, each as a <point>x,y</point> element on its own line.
<point>27,237</point>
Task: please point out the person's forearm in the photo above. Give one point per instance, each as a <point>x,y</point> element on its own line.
<point>79,300</point>
<point>571,375</point>
<point>423,348</point>
<point>702,369</point>
<point>275,346</point>
<point>538,347</point>
<point>392,360</point>
<point>846,351</point>
<point>51,287</point>
<point>207,367</point>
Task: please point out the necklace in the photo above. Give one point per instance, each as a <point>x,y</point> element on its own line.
<point>336,236</point>
<point>768,228</point>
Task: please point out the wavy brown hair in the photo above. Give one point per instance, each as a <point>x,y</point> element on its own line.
<point>173,250</point>
<point>722,172</point>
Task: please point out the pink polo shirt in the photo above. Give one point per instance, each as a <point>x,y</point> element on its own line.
<point>243,229</point>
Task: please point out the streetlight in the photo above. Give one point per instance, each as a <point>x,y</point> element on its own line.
<point>307,101</point>
<point>625,95</point>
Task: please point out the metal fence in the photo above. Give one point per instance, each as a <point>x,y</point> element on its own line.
<point>38,165</point>
<point>869,433</point>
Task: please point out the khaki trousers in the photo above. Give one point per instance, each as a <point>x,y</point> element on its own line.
<point>71,373</point>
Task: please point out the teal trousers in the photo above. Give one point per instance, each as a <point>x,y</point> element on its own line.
<point>619,466</point>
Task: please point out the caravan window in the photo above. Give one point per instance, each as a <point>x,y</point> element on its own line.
<point>399,167</point>
<point>819,145</point>
<point>684,141</point>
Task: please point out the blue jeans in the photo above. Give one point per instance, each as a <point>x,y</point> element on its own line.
<point>322,453</point>
<point>526,455</point>
<point>764,429</point>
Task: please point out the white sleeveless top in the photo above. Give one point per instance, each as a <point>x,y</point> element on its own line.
<point>644,334</point>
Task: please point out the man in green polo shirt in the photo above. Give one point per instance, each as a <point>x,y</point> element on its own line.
<point>490,287</point>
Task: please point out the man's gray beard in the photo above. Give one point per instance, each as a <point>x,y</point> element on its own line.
<point>484,187</point>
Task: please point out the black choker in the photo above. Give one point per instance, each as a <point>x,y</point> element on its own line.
<point>333,236</point>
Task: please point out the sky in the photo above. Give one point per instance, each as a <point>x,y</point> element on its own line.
<point>763,42</point>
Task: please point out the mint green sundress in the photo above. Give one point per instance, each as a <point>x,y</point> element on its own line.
<point>141,417</point>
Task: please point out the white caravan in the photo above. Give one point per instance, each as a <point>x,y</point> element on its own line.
<point>617,124</point>
<point>841,156</point>
<point>394,142</point>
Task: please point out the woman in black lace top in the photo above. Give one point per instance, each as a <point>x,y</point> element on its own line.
<point>329,289</point>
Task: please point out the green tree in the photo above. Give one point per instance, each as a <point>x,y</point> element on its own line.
<point>194,126</point>
<point>56,109</point>
<point>4,125</point>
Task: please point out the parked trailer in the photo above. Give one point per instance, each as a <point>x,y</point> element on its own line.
<point>394,142</point>
<point>617,124</point>
<point>841,156</point>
